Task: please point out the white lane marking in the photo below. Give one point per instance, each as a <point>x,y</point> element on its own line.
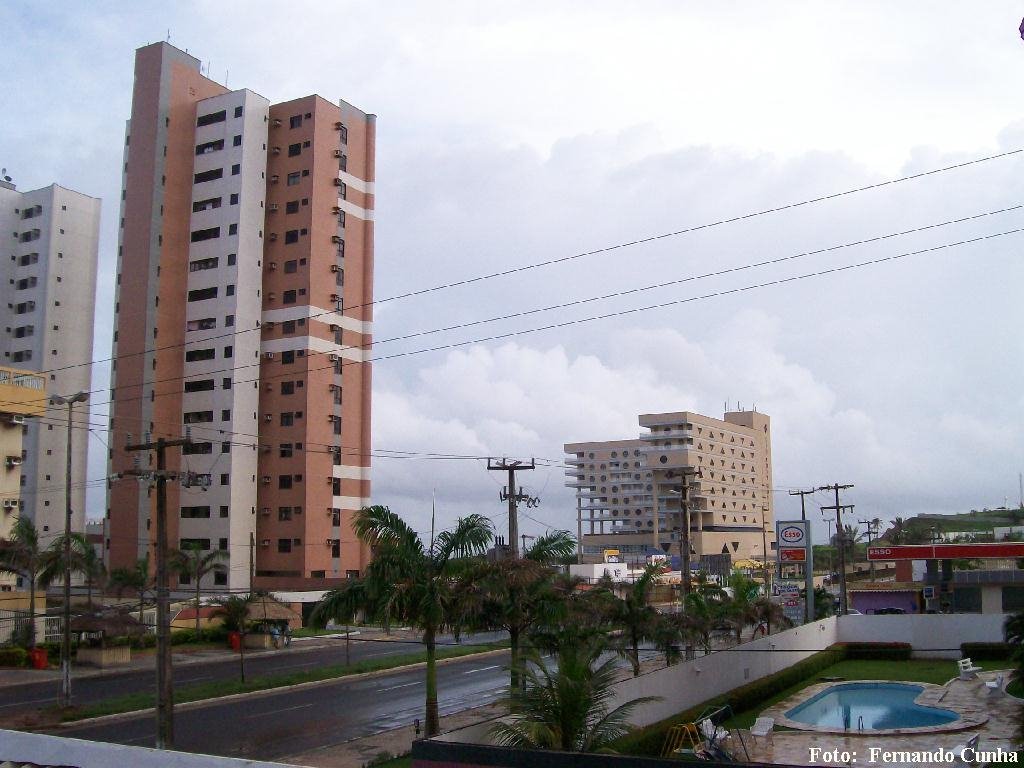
<point>482,669</point>
<point>279,711</point>
<point>393,687</point>
<point>194,679</point>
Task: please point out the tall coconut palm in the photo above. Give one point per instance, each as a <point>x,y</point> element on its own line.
<point>135,579</point>
<point>193,563</point>
<point>567,708</point>
<point>636,617</point>
<point>416,583</point>
<point>21,555</point>
<point>701,614</point>
<point>515,595</point>
<point>234,610</point>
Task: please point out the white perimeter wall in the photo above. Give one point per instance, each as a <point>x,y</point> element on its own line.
<point>930,635</point>
<point>691,683</point>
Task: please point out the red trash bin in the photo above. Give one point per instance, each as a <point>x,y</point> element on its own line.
<point>38,658</point>
<point>235,640</point>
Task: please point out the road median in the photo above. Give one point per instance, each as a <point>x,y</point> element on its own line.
<point>207,694</point>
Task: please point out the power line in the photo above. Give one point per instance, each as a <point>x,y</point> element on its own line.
<point>597,251</point>
<point>661,305</point>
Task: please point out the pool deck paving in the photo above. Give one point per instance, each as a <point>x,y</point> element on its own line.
<point>994,716</point>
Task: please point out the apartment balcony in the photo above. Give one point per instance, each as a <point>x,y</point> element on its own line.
<point>667,434</point>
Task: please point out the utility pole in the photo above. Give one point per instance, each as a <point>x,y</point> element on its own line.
<point>841,534</point>
<point>252,561</point>
<point>802,494</point>
<point>65,646</point>
<point>809,565</point>
<point>510,495</point>
<point>164,679</point>
<point>872,531</point>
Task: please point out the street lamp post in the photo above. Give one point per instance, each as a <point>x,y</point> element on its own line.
<point>65,648</point>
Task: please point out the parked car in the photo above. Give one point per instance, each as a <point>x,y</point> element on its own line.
<point>881,611</point>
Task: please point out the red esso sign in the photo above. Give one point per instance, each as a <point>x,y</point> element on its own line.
<point>792,535</point>
<point>881,551</point>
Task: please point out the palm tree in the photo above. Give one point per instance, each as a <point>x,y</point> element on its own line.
<point>766,612</point>
<point>21,555</point>
<point>342,605</point>
<point>192,563</point>
<point>234,610</point>
<point>701,614</point>
<point>514,595</point>
<point>635,616</point>
<point>568,708</point>
<point>897,533</point>
<point>84,560</point>
<point>666,634</point>
<point>416,583</point>
<point>738,611</point>
<point>134,579</point>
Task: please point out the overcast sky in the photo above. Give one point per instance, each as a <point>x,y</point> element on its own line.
<point>517,133</point>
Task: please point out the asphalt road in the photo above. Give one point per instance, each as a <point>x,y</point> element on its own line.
<point>291,722</point>
<point>297,658</point>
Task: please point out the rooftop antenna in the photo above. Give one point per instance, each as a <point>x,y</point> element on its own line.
<point>226,73</point>
<point>168,35</point>
<point>3,172</point>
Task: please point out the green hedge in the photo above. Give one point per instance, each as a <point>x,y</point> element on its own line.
<point>987,651</point>
<point>13,657</point>
<point>649,739</point>
<point>876,651</point>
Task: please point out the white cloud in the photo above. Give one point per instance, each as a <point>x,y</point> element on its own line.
<point>516,133</point>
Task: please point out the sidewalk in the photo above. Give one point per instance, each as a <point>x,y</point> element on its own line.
<point>359,752</point>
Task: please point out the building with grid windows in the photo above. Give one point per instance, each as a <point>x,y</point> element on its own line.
<point>629,493</point>
<point>47,303</point>
<point>244,291</point>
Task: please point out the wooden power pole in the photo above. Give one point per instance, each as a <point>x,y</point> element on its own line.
<point>164,679</point>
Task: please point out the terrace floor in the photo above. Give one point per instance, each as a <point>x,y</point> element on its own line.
<point>1001,714</point>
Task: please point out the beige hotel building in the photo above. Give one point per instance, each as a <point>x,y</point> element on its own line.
<point>629,492</point>
<point>244,290</point>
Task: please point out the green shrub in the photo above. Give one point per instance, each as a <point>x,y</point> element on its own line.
<point>987,651</point>
<point>13,657</point>
<point>218,633</point>
<point>877,651</point>
<point>649,739</point>
<point>182,636</point>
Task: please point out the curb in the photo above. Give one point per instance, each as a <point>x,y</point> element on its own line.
<point>199,704</point>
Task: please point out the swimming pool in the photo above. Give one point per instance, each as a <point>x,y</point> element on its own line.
<point>869,707</point>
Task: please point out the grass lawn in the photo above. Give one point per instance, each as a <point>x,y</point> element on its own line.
<point>217,688</point>
<point>395,762</point>
<point>937,671</point>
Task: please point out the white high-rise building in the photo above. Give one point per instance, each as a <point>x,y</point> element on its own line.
<point>48,300</point>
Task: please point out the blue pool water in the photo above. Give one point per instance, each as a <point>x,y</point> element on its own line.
<point>881,705</point>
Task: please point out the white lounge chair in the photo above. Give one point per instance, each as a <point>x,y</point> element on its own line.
<point>764,727</point>
<point>967,669</point>
<point>995,687</point>
<point>958,750</point>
